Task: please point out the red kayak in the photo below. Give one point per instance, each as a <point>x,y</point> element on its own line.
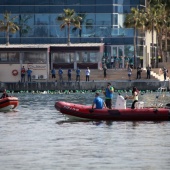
<point>8,103</point>
<point>78,111</point>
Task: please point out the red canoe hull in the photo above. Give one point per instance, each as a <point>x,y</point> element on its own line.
<point>8,103</point>
<point>85,112</point>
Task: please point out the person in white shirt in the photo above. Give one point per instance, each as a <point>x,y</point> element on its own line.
<point>87,74</point>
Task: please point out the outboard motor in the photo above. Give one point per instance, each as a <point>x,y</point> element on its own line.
<point>120,102</point>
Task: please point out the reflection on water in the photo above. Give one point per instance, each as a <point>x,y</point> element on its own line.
<point>38,137</point>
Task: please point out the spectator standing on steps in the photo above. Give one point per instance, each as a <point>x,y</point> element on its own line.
<point>78,74</point>
<point>87,74</point>
<point>112,62</point>
<point>139,70</point>
<point>105,71</point>
<point>148,72</point>
<point>69,74</point>
<point>53,72</point>
<point>29,72</point>
<point>60,74</point>
<point>23,71</point>
<point>165,71</point>
<point>129,73</point>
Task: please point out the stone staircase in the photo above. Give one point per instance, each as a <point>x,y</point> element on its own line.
<point>112,74</point>
<point>156,73</point>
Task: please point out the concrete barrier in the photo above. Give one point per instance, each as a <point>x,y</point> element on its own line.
<point>92,85</point>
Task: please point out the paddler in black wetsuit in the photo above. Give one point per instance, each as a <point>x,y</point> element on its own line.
<point>4,95</point>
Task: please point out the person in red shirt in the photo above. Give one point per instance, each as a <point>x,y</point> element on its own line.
<point>23,71</point>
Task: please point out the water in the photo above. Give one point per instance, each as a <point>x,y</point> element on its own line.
<point>37,137</point>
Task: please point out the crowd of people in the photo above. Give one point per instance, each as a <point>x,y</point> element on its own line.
<point>23,74</point>
<point>114,62</point>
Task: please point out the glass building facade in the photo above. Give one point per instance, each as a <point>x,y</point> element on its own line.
<point>102,22</point>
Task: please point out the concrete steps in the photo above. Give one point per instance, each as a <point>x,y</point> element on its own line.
<point>112,74</point>
<point>155,72</point>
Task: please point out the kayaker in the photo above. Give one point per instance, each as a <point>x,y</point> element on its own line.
<point>109,95</point>
<point>99,102</point>
<point>134,97</point>
<point>4,94</point>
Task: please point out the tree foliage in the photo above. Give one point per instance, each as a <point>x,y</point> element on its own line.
<point>69,18</point>
<point>8,25</point>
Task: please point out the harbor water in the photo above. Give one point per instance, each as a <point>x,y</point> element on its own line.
<point>37,137</point>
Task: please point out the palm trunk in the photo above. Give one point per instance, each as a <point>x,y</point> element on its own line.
<point>158,46</point>
<point>68,43</point>
<point>166,42</point>
<point>152,58</point>
<point>134,47</point>
<point>7,37</point>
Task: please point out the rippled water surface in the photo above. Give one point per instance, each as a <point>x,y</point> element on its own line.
<point>37,137</point>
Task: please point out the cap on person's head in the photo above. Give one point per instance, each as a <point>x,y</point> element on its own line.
<point>108,83</point>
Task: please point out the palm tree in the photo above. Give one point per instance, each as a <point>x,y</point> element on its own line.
<point>156,20</point>
<point>83,16</point>
<point>8,25</point>
<point>24,26</point>
<point>136,20</point>
<point>69,18</point>
<point>162,8</point>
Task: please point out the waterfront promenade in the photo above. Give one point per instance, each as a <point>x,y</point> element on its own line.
<point>141,84</point>
<point>118,79</point>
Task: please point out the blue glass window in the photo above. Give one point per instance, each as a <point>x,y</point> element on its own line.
<point>26,25</point>
<point>55,31</point>
<point>73,2</point>
<point>27,9</point>
<point>41,9</point>
<point>87,9</point>
<point>12,9</point>
<point>24,2</point>
<point>42,2</point>
<point>58,2</point>
<point>41,19</point>
<point>104,9</point>
<point>58,9</point>
<point>2,2</point>
<point>103,19</point>
<point>87,2</point>
<point>41,31</point>
<point>9,2</point>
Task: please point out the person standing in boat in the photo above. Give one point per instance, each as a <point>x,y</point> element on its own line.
<point>99,102</point>
<point>134,97</point>
<point>4,94</point>
<point>109,95</point>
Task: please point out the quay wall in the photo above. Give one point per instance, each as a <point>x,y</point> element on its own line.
<point>92,85</point>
